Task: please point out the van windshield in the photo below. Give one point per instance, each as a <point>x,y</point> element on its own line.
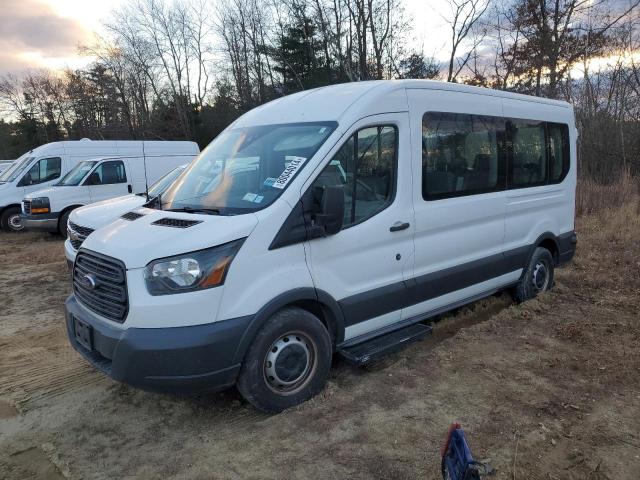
<point>245,169</point>
<point>16,169</point>
<point>76,174</point>
<point>162,184</point>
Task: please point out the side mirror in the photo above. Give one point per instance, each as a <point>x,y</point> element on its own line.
<point>331,213</point>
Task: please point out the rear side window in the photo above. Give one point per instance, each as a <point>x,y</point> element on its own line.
<point>461,154</point>
<point>365,168</point>
<point>465,154</point>
<point>44,170</point>
<point>558,151</point>
<point>108,173</point>
<point>528,159</point>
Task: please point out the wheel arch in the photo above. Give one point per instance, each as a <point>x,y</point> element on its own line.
<point>11,205</point>
<point>546,240</point>
<point>315,301</point>
<point>7,207</point>
<point>65,210</point>
<point>549,241</point>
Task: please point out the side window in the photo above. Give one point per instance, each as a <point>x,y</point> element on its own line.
<point>558,151</point>
<point>108,173</point>
<point>365,168</point>
<point>529,163</point>
<point>45,170</point>
<point>461,155</point>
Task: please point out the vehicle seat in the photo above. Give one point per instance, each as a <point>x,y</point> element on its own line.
<point>480,176</point>
<point>438,182</point>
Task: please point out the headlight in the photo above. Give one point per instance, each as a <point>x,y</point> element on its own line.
<point>40,205</point>
<point>191,271</point>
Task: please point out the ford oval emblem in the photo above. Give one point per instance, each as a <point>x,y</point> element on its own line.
<point>89,281</point>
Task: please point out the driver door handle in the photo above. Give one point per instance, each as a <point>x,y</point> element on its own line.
<point>396,227</point>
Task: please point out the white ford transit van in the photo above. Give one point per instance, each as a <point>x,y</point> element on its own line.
<point>329,221</point>
<point>85,220</point>
<point>100,179</point>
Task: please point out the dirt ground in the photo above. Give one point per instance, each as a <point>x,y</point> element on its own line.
<point>545,390</point>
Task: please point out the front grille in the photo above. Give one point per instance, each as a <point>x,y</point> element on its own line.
<point>105,292</point>
<point>77,234</point>
<point>176,222</point>
<point>26,206</point>
<point>131,216</point>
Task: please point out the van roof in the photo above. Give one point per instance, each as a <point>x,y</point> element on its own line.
<point>119,147</point>
<point>334,102</point>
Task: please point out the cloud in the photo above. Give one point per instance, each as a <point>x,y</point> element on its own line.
<point>33,35</point>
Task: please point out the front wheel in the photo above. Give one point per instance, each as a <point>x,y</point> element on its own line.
<point>288,361</point>
<point>11,221</point>
<point>62,224</point>
<point>538,276</point>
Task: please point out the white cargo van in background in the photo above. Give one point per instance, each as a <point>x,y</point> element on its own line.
<point>85,220</point>
<point>45,166</point>
<point>335,220</point>
<point>5,164</point>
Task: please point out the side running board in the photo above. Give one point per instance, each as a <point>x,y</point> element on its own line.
<point>378,347</point>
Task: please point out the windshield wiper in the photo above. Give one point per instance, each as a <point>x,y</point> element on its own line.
<point>209,211</point>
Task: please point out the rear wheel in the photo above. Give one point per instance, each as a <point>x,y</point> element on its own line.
<point>538,276</point>
<point>10,220</point>
<point>287,363</point>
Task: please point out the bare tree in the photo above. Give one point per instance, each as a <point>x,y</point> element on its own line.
<point>464,21</point>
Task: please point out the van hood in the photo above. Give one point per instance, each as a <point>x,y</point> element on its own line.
<point>99,214</point>
<point>138,242</point>
<point>45,192</point>
<point>61,197</point>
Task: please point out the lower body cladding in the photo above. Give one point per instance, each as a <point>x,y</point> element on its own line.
<point>172,359</point>
<point>45,222</point>
<point>210,356</point>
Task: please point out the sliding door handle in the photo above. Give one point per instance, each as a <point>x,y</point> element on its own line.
<point>396,227</point>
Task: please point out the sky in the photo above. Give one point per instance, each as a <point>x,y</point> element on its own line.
<point>47,33</point>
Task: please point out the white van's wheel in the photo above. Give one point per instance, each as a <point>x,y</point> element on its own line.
<point>288,361</point>
<point>11,220</point>
<point>538,276</point>
<point>62,224</point>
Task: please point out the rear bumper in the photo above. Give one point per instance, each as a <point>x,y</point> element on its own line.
<point>46,222</point>
<point>178,359</point>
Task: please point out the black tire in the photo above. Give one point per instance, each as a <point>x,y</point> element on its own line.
<point>537,277</point>
<point>8,220</point>
<point>287,363</point>
<point>62,223</point>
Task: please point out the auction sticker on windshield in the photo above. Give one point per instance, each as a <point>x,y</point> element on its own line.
<point>293,165</point>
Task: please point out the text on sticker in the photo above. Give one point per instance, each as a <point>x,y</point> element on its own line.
<point>290,170</point>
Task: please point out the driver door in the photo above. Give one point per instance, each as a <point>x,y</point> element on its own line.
<point>108,180</point>
<point>43,173</point>
<point>365,265</point>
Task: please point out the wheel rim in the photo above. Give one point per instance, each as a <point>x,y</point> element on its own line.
<point>15,223</point>
<point>540,277</point>
<point>290,363</point>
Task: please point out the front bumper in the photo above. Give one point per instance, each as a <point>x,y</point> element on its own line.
<point>174,359</point>
<point>46,222</point>
<point>70,253</point>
